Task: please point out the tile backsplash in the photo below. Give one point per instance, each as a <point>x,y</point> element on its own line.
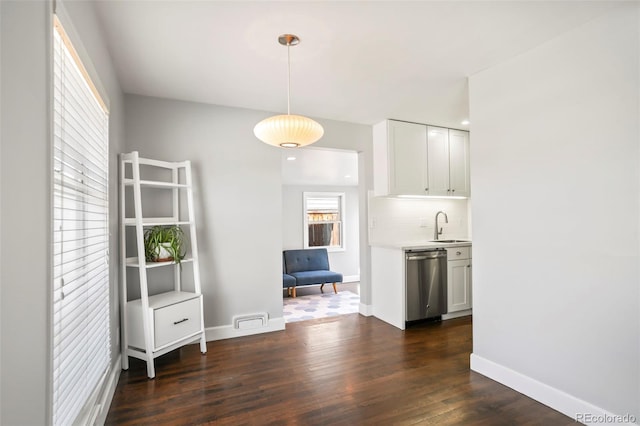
<point>412,220</point>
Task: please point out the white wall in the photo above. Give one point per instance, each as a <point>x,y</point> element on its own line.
<point>25,209</point>
<point>409,221</point>
<point>556,218</point>
<point>346,262</point>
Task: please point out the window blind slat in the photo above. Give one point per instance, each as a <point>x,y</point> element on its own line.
<point>72,152</point>
<point>79,190</point>
<point>73,167</point>
<point>76,333</point>
<point>80,216</point>
<point>71,284</point>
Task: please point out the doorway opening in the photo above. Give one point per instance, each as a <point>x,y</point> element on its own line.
<point>320,209</point>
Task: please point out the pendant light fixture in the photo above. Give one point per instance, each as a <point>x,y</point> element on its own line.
<point>288,131</point>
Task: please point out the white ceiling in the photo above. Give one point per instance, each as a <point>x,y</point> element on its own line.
<point>319,166</point>
<point>359,62</point>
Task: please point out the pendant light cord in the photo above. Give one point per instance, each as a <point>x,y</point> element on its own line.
<point>288,78</point>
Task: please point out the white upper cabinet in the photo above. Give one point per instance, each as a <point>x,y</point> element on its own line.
<point>400,158</point>
<point>408,150</point>
<point>438,164</point>
<point>416,159</point>
<point>459,163</point>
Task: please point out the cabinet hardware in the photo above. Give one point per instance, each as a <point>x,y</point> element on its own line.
<point>426,189</point>
<point>182,320</point>
<point>453,190</point>
<point>458,253</point>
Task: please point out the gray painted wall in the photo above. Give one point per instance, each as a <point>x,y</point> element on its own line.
<point>556,190</point>
<point>347,262</point>
<point>238,192</point>
<point>25,209</point>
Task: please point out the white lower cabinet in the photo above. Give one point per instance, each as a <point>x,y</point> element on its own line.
<point>458,279</point>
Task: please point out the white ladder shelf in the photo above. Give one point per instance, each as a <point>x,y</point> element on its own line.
<point>154,325</point>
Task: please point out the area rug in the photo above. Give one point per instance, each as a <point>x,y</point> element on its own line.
<point>320,306</point>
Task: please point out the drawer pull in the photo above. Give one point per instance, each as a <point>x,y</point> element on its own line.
<point>182,320</point>
<point>458,253</point>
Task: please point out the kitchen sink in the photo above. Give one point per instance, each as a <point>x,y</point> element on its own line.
<point>450,241</point>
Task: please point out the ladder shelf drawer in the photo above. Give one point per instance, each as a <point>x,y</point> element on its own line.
<point>165,309</point>
<point>176,322</point>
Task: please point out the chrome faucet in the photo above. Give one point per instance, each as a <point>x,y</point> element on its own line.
<point>438,231</point>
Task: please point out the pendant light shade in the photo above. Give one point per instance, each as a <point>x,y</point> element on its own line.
<point>287,130</point>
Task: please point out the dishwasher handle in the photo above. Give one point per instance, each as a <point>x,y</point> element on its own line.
<point>426,254</point>
<point>417,258</point>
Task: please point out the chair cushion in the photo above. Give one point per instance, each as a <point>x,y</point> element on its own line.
<point>288,281</point>
<point>306,260</point>
<point>316,277</point>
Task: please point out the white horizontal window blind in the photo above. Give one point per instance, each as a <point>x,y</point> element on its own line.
<point>81,335</point>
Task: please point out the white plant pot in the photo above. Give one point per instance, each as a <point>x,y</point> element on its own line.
<point>164,255</point>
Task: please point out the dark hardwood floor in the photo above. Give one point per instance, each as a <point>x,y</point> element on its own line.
<point>347,370</point>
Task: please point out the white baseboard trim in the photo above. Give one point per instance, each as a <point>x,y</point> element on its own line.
<point>351,278</point>
<point>228,332</point>
<point>579,410</point>
<point>110,389</point>
<point>366,310</point>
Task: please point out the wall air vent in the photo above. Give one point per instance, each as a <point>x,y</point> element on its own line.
<point>244,322</point>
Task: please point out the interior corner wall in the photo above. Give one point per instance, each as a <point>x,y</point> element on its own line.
<point>556,184</point>
<point>238,198</point>
<point>347,262</point>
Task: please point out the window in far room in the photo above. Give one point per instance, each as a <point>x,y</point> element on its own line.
<point>324,220</point>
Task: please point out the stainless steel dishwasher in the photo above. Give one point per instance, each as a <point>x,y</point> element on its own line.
<point>426,272</point>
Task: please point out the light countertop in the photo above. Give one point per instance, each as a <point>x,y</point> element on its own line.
<point>424,245</point>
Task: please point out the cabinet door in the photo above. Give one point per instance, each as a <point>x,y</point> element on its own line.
<point>458,285</point>
<point>408,148</point>
<point>459,163</point>
<point>438,155</point>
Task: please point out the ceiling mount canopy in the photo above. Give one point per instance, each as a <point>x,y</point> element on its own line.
<point>288,131</point>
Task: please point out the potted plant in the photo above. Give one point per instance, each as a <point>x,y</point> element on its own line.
<point>164,244</point>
